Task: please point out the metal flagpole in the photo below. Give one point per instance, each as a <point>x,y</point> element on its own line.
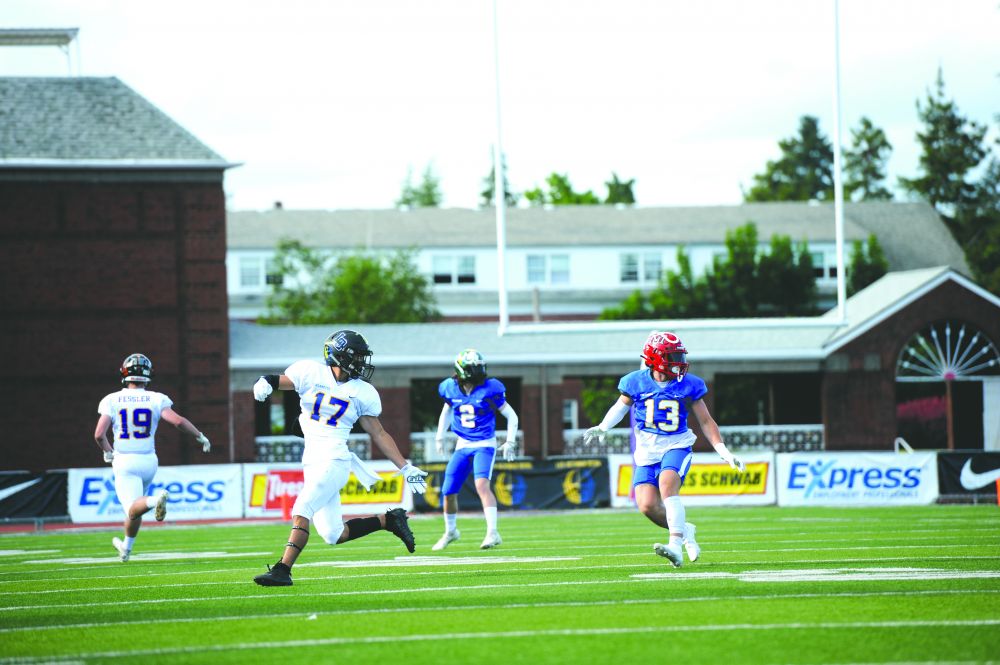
<point>838,187</point>
<point>499,193</point>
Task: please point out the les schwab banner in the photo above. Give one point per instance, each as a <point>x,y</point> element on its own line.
<point>270,489</point>
<point>197,492</point>
<point>709,481</point>
<point>857,479</point>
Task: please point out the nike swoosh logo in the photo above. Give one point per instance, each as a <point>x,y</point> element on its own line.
<point>11,491</point>
<point>972,481</point>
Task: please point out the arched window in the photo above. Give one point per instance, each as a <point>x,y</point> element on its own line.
<point>946,351</point>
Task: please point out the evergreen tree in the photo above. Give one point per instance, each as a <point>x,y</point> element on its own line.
<point>802,173</point>
<point>865,164</point>
<point>560,192</point>
<point>867,264</point>
<point>487,196</point>
<point>620,191</point>
<point>426,194</point>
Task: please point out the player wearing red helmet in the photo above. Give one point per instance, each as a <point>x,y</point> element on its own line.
<point>660,398</point>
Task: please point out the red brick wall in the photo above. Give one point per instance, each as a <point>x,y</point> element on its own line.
<point>859,406</point>
<point>94,271</point>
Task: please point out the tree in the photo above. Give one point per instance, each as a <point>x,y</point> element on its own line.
<point>619,191</point>
<point>980,222</point>
<point>952,146</point>
<point>865,164</point>
<point>488,194</point>
<point>560,193</point>
<point>426,194</point>
<point>786,280</point>
<point>802,173</point>
<point>317,287</point>
<point>868,263</point>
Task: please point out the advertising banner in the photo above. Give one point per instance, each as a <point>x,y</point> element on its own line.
<point>197,492</point>
<point>270,490</point>
<point>857,479</point>
<point>24,494</point>
<point>709,481</point>
<point>549,484</point>
<point>969,474</point>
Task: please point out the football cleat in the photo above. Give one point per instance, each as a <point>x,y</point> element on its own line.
<point>670,552</point>
<point>123,554</point>
<point>160,511</point>
<point>492,540</point>
<point>690,544</point>
<point>447,539</point>
<point>396,523</point>
<point>277,575</point>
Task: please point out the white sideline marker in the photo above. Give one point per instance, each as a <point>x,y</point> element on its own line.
<point>150,556</point>
<point>830,575</point>
<point>420,561</point>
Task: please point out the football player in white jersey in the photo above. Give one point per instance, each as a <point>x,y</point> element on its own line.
<point>660,396</point>
<point>333,397</point>
<point>134,413</point>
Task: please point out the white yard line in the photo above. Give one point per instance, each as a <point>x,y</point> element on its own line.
<point>506,635</point>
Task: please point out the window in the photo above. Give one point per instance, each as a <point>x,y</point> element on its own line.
<point>570,414</point>
<point>824,267</point>
<point>454,269</point>
<point>652,267</point>
<point>548,268</point>
<point>256,272</point>
<point>629,267</point>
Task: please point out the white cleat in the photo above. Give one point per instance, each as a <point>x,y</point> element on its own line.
<point>670,552</point>
<point>690,544</point>
<point>160,511</point>
<point>447,539</point>
<point>492,540</point>
<point>123,553</point>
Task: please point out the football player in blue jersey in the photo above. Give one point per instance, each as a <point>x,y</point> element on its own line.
<point>471,400</point>
<point>660,397</point>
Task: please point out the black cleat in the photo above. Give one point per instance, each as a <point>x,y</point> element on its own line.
<point>395,522</point>
<point>277,575</point>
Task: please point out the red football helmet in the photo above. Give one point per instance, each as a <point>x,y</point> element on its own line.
<point>665,353</point>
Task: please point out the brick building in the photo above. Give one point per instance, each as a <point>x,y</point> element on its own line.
<point>112,241</point>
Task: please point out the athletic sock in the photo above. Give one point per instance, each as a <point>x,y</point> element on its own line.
<point>675,518</point>
<point>450,520</point>
<point>491,518</point>
<point>129,541</point>
<point>151,502</point>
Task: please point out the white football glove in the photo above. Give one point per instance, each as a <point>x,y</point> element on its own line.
<point>262,389</point>
<point>206,445</point>
<point>109,456</point>
<point>509,450</point>
<point>735,462</point>
<point>414,478</point>
<point>439,446</point>
<point>594,433</point>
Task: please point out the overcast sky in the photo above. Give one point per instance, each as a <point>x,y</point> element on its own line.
<point>327,103</point>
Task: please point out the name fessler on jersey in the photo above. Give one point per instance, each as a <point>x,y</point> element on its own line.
<point>329,409</point>
<point>473,416</point>
<point>661,412</point>
<point>135,415</point>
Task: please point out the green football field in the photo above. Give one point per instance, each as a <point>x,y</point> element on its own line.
<point>773,585</point>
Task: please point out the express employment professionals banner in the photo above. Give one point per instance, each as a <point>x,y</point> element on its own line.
<point>270,489</point>
<point>969,474</point>
<point>709,481</point>
<point>198,491</point>
<point>545,484</point>
<point>857,479</point>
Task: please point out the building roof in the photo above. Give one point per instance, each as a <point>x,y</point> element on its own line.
<point>91,122</point>
<point>912,234</point>
<point>270,348</point>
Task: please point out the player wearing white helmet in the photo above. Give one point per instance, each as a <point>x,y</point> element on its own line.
<point>661,397</point>
<point>134,414</point>
<point>333,396</point>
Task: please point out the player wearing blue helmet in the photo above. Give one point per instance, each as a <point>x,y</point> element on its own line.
<point>660,398</point>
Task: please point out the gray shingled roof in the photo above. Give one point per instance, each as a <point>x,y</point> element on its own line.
<point>268,348</point>
<point>67,122</point>
<point>912,234</point>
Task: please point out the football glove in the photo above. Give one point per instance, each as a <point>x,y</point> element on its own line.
<point>206,445</point>
<point>109,456</point>
<point>594,433</point>
<point>735,462</point>
<point>509,450</point>
<point>439,446</point>
<point>414,478</point>
<point>262,389</point>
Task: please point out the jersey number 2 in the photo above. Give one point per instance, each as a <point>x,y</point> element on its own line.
<point>467,416</point>
<point>671,409</point>
<point>339,404</point>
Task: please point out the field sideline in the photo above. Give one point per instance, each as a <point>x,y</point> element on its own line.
<point>774,585</point>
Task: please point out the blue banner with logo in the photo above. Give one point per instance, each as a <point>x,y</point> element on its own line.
<point>857,479</point>
<point>529,485</point>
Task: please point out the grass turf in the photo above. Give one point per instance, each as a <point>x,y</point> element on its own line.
<point>773,585</point>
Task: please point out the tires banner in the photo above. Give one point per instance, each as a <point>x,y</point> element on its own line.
<point>709,481</point>
<point>197,492</point>
<point>270,490</point>
<point>548,484</point>
<point>969,474</point>
<point>857,479</point>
